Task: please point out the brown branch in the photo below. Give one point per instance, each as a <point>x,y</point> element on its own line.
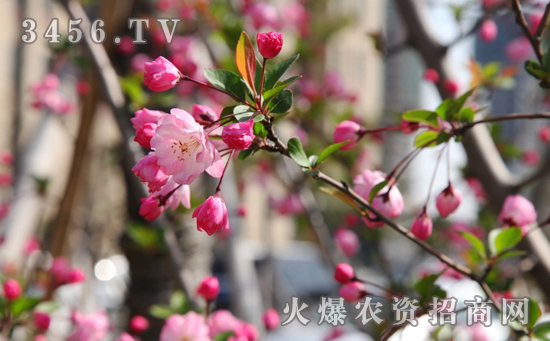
<point>510,117</point>
<point>520,19</point>
<point>543,22</point>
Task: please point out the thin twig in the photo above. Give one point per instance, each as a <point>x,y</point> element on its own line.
<point>520,19</point>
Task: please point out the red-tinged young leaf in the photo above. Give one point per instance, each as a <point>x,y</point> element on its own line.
<point>245,58</point>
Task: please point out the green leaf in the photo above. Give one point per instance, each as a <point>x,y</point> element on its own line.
<point>227,81</point>
<point>47,307</point>
<point>313,159</point>
<point>546,59</point>
<point>443,108</point>
<point>493,234</point>
<point>258,118</point>
<point>443,137</point>
<point>179,303</point>
<point>243,113</point>
<point>507,239</point>
<point>534,312</point>
<point>374,191</point>
<point>421,116</point>
<point>542,329</point>
<point>160,311</point>
<point>426,139</point>
<point>227,111</point>
<point>476,243</point>
<point>274,73</point>
<point>329,150</point>
<point>449,108</point>
<point>427,288</point>
<point>132,87</point>
<point>490,70</point>
<point>297,152</point>
<point>144,236</point>
<point>535,70</point>
<point>258,75</point>
<point>223,336</point>
<point>467,115</point>
<point>281,103</point>
<point>514,253</point>
<point>243,154</point>
<point>280,86</point>
<point>259,130</point>
<point>23,304</point>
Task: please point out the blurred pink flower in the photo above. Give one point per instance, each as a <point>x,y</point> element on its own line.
<point>190,326</point>
<point>93,327</point>
<point>222,321</point>
<point>262,15</point>
<point>519,49</point>
<point>488,31</point>
<point>347,242</point>
<point>517,211</point>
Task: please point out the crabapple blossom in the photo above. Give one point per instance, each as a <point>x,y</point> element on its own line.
<point>212,215</point>
<point>47,96</point>
<point>138,61</point>
<point>150,208</point>
<point>517,211</point>
<point>184,149</point>
<point>289,205</point>
<point>222,321</point>
<point>126,45</point>
<point>209,288</point>
<point>531,157</point>
<point>488,31</point>
<point>41,321</point>
<point>347,242</point>
<point>92,327</point>
<point>239,135</point>
<point>145,134</point>
<point>12,289</point>
<point>262,14</point>
<point>544,133</point>
<point>448,201</point>
<point>390,203</point>
<point>75,275</point>
<point>347,131</point>
<point>150,172</point>
<point>422,226</point>
<point>344,273</point>
<point>353,291</point>
<point>451,86</point>
<point>145,116</point>
<point>271,319</point>
<point>204,113</point>
<point>138,324</point>
<point>190,326</point>
<point>6,157</point>
<point>431,75</point>
<point>245,332</point>
<point>161,74</point>
<point>269,44</point>
<point>518,49</point>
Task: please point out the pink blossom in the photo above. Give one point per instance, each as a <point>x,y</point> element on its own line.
<point>165,5</point>
<point>271,319</point>
<point>422,226</point>
<point>519,49</point>
<point>59,269</point>
<point>347,242</point>
<point>209,288</point>
<point>12,289</point>
<point>297,15</point>
<point>6,157</point>
<point>138,324</point>
<point>431,75</point>
<point>517,211</point>
<point>32,245</point>
<point>188,12</point>
<point>451,86</point>
<point>82,87</point>
<point>390,203</point>
<point>544,133</point>
<point>93,327</point>
<point>182,44</point>
<point>347,131</point>
<point>75,275</point>
<point>269,44</point>
<point>150,172</point>
<point>48,97</point>
<point>41,321</point>
<point>289,205</point>
<point>125,337</point>
<point>150,208</point>
<point>262,14</point>
<point>448,201</point>
<point>145,134</point>
<point>534,21</point>
<point>204,113</point>
<point>239,135</point>
<point>344,273</point>
<point>161,75</point>
<point>183,63</point>
<point>353,291</point>
<point>334,87</point>
<point>190,326</point>
<point>179,194</point>
<point>212,215</point>
<point>488,31</point>
<point>531,157</point>
<point>491,3</point>
<point>126,45</point>
<point>222,321</point>
<point>6,179</point>
<point>246,332</point>
<point>138,62</point>
<point>183,148</point>
<point>477,187</point>
<point>145,116</point>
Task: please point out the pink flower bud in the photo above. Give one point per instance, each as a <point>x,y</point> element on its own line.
<point>488,31</point>
<point>347,131</point>
<point>222,321</point>
<point>6,179</point>
<point>517,211</point>
<point>211,215</point>
<point>531,157</point>
<point>271,319</point>
<point>41,321</point>
<point>269,44</point>
<point>448,201</point>
<point>209,288</point>
<point>12,290</point>
<point>451,86</point>
<point>145,116</point>
<point>150,208</point>
<point>519,49</point>
<point>75,275</point>
<point>145,134</point>
<point>431,75</point>
<point>59,269</point>
<point>344,273</point>
<point>409,127</point>
<point>161,75</point>
<point>82,87</point>
<point>204,113</point>
<point>353,291</point>
<point>246,332</point>
<point>6,157</point>
<point>150,172</point>
<point>239,135</point>
<point>347,242</point>
<point>544,133</point>
<point>138,324</point>
<point>422,226</point>
<point>126,45</point>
